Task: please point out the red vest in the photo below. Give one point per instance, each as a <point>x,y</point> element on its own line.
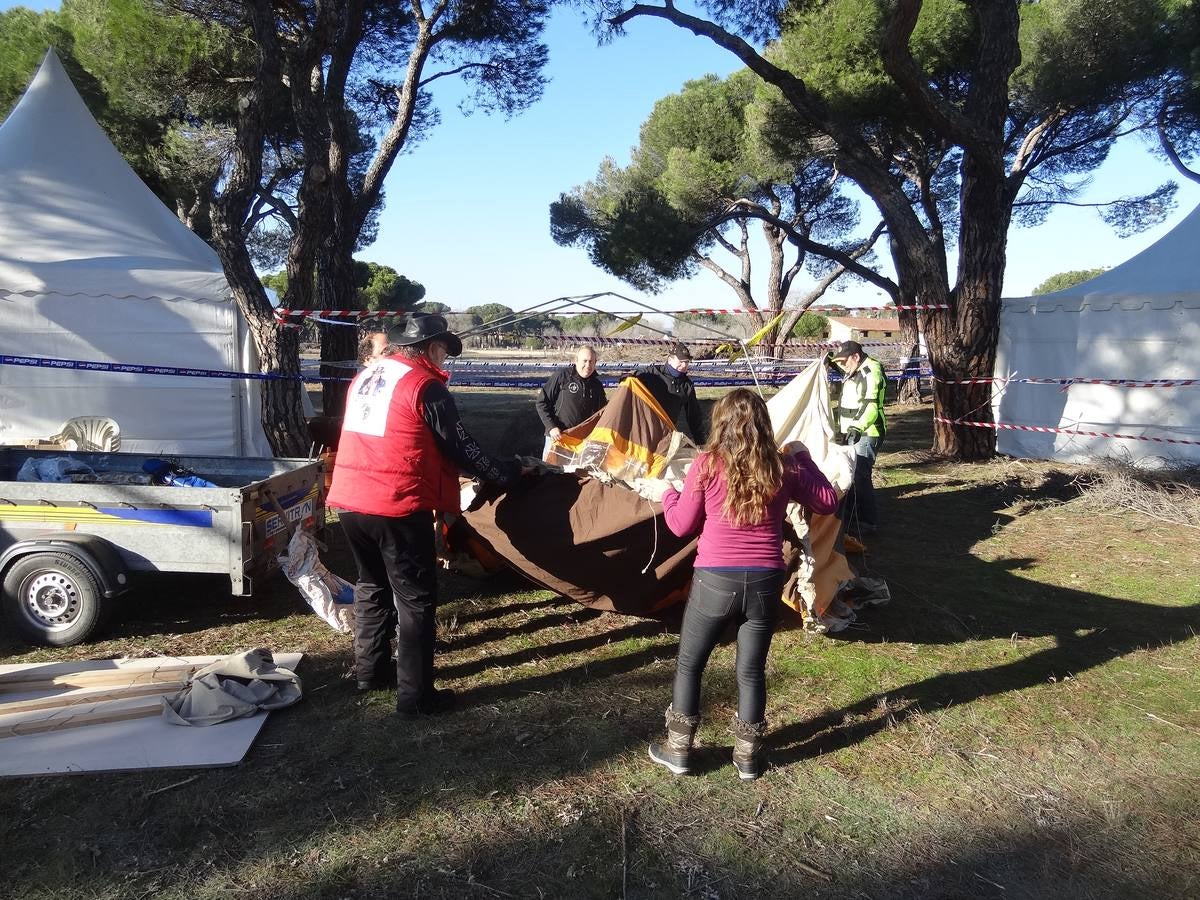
<point>388,463</point>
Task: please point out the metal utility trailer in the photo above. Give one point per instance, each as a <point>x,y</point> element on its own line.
<point>68,548</point>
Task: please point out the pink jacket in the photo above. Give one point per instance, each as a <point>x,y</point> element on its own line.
<point>722,545</point>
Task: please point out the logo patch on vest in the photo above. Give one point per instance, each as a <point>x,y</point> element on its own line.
<point>573,387</point>
<point>370,397</point>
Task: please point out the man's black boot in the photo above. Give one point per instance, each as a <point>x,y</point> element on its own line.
<point>674,753</point>
<point>386,682</point>
<point>441,700</point>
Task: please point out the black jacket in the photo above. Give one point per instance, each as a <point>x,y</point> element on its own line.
<point>457,444</point>
<point>675,393</point>
<point>566,399</point>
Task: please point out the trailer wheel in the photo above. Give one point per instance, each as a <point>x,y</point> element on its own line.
<point>52,598</point>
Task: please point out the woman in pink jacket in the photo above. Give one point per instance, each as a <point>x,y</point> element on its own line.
<point>735,495</point>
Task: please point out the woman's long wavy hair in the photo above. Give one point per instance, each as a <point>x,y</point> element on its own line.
<point>742,443</point>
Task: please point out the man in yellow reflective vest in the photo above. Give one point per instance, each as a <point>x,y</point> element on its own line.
<point>861,425</point>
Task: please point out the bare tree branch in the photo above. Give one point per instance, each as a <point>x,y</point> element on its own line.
<point>458,70</point>
<point>791,86</point>
<point>748,209</point>
<point>738,287</point>
<point>1160,125</point>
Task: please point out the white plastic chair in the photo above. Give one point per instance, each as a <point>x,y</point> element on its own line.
<point>98,434</point>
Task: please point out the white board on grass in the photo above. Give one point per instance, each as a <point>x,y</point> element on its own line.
<point>149,743</point>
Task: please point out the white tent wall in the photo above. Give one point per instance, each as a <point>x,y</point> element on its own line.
<point>156,413</point>
<point>248,396</point>
<point>1140,320</point>
<point>94,267</point>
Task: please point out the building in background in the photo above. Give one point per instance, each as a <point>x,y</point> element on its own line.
<point>854,328</point>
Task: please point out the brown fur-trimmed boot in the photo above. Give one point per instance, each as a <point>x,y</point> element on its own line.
<point>748,748</point>
<point>675,751</point>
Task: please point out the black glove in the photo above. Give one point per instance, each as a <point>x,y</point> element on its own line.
<point>852,435</point>
<point>831,365</point>
<point>839,439</point>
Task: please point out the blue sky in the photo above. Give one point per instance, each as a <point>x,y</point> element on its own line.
<point>467,210</point>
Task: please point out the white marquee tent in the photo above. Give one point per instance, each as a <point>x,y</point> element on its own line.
<point>1139,320</point>
<point>94,267</point>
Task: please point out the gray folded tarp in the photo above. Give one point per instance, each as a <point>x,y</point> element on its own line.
<point>233,687</point>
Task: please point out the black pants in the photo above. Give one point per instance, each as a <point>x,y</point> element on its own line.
<point>396,590</point>
<point>751,599</point>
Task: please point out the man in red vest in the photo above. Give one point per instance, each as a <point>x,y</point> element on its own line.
<point>401,449</point>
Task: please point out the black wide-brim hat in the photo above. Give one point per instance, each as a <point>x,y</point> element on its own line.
<point>421,328</point>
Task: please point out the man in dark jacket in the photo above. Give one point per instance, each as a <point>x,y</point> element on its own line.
<point>674,391</point>
<point>401,448</point>
<point>572,394</point>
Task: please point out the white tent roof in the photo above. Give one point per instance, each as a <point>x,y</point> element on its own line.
<point>1139,320</point>
<point>75,215</point>
<point>94,267</point>
<point>1171,265</point>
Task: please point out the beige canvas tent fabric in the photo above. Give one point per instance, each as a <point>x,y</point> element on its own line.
<point>802,413</point>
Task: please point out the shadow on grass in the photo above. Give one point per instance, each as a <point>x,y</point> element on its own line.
<point>622,850</point>
<point>532,626</point>
<point>550,651</point>
<point>619,853</point>
<point>947,595</point>
<point>493,612</point>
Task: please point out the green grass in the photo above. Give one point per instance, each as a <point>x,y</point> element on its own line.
<point>1021,721</point>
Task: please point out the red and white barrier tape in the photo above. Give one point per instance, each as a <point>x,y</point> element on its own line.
<point>373,314</point>
<point>337,313</point>
<point>577,339</point>
<point>816,309</point>
<point>1047,430</point>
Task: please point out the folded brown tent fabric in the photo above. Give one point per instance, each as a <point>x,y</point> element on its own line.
<point>599,544</point>
<point>623,438</point>
<point>593,539</point>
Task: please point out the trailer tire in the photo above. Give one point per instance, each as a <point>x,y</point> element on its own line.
<point>53,598</point>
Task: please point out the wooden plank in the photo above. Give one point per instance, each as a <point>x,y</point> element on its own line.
<point>13,683</point>
<point>63,720</point>
<point>23,671</point>
<point>78,698</point>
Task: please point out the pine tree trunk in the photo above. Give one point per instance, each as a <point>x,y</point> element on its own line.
<point>909,390</point>
<point>336,290</point>
<point>278,349</point>
<point>339,343</point>
<point>962,342</point>
<point>278,352</point>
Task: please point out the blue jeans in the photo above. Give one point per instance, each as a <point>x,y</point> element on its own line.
<point>749,597</point>
<point>859,504</point>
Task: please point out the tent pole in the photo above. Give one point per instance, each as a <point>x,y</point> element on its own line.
<point>528,313</point>
<point>750,366</point>
<point>675,316</point>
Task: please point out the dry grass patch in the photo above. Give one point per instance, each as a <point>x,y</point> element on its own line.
<point>1171,496</point>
